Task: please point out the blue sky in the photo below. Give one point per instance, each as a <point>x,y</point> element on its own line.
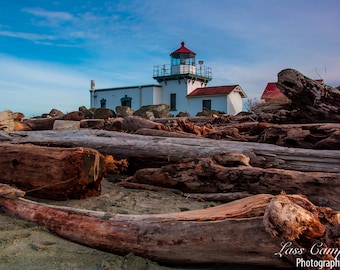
<point>50,50</point>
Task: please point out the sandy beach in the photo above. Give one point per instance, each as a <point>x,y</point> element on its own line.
<point>25,245</point>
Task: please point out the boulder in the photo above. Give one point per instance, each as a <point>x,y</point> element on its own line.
<point>88,113</point>
<point>56,113</point>
<point>156,111</point>
<point>183,114</point>
<point>103,113</point>
<point>124,111</point>
<point>74,116</point>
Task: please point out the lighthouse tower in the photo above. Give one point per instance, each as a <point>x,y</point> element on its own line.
<point>180,78</point>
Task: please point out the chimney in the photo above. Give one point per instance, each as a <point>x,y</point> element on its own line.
<point>93,85</point>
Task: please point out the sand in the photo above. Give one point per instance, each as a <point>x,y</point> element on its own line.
<point>25,245</point>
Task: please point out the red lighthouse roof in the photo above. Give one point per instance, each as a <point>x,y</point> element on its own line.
<point>183,49</point>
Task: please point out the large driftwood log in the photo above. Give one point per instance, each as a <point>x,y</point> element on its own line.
<point>312,232</point>
<point>221,173</point>
<point>317,136</point>
<point>54,173</point>
<point>313,101</point>
<point>148,151</point>
<point>229,233</point>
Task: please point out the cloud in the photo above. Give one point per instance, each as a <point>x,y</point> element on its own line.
<point>29,36</point>
<point>52,17</point>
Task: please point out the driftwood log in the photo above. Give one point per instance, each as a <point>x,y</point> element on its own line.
<point>48,122</point>
<point>231,172</point>
<point>11,121</point>
<point>55,173</point>
<point>313,101</point>
<point>317,136</point>
<point>229,233</point>
<point>149,151</point>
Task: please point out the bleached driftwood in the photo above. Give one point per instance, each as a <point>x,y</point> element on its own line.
<point>149,151</point>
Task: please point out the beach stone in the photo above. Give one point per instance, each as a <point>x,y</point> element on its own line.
<point>88,113</point>
<point>103,113</point>
<point>156,111</point>
<point>124,111</point>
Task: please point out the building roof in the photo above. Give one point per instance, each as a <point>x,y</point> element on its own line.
<point>183,49</point>
<point>217,91</point>
<point>271,91</point>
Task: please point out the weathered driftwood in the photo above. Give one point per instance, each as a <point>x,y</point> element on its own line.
<point>11,121</point>
<point>150,151</point>
<point>221,173</point>
<point>47,123</point>
<point>229,233</point>
<point>314,102</point>
<point>54,173</point>
<point>317,136</point>
<point>312,232</point>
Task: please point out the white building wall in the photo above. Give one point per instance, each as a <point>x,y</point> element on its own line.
<point>141,95</point>
<point>218,103</point>
<point>234,103</point>
<point>181,88</point>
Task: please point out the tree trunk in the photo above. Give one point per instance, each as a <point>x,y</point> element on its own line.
<point>53,173</point>
<point>229,233</point>
<point>148,151</point>
<point>218,174</point>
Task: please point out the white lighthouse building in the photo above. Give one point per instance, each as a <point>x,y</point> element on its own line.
<point>182,85</point>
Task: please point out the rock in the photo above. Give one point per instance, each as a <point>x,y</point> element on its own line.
<point>157,111</point>
<point>124,111</point>
<point>75,116</point>
<point>183,114</point>
<point>56,113</point>
<point>103,113</point>
<point>88,113</point>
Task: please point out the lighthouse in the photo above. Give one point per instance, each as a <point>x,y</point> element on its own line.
<point>181,84</point>
<point>179,78</point>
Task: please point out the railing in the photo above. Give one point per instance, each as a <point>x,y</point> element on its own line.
<point>168,70</point>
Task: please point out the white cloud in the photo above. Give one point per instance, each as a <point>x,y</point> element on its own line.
<point>50,16</point>
<point>29,36</point>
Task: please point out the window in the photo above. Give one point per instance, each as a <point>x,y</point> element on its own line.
<point>126,101</point>
<point>173,102</point>
<point>206,105</point>
<point>103,103</point>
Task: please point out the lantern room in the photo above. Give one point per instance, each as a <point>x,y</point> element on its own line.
<point>182,56</point>
<point>182,66</point>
